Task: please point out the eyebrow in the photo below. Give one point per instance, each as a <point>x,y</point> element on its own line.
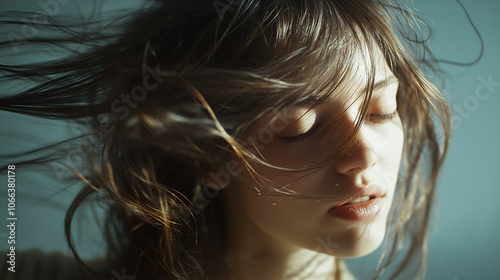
<point>377,85</point>
<point>383,83</point>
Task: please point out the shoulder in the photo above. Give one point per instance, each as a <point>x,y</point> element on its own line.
<point>40,265</point>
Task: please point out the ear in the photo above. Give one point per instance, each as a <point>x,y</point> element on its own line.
<point>221,178</point>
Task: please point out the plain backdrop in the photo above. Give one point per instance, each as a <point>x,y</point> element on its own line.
<point>465,230</point>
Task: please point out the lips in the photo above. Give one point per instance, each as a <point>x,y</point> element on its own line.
<point>371,190</point>
<point>363,204</point>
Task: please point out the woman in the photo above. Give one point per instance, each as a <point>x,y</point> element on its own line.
<point>249,139</point>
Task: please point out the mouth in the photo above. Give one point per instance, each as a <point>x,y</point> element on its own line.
<point>358,200</point>
<point>363,205</point>
<point>362,194</point>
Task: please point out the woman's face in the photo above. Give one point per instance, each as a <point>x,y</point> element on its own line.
<point>353,193</point>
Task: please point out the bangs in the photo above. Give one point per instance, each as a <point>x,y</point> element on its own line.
<point>309,52</point>
<point>312,46</point>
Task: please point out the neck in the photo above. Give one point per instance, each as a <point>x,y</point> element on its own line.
<point>253,254</point>
<point>302,264</point>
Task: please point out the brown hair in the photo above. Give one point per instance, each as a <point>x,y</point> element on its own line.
<point>167,95</point>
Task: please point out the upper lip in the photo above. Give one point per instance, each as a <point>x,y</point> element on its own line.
<point>372,190</point>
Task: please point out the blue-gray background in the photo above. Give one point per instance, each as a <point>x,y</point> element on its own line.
<point>465,233</point>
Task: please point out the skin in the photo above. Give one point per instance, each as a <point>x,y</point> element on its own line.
<point>273,236</point>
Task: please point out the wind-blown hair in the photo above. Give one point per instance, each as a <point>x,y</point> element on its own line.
<point>167,95</point>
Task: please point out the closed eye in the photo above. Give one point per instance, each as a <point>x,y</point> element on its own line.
<point>301,137</point>
<point>383,118</point>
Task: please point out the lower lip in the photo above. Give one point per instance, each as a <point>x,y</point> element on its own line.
<point>359,211</point>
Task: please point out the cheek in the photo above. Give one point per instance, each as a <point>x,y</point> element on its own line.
<point>287,220</point>
<point>394,150</point>
<point>389,143</point>
<point>390,158</point>
<point>310,182</point>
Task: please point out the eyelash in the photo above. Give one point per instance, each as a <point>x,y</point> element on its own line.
<point>385,118</point>
<point>301,137</point>
<point>304,136</point>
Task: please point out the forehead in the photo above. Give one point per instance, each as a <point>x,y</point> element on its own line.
<point>367,65</point>
<point>363,67</point>
<point>358,70</point>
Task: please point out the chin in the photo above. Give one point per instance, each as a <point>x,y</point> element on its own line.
<point>359,241</point>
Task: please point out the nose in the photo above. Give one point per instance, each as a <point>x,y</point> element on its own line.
<point>360,158</point>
